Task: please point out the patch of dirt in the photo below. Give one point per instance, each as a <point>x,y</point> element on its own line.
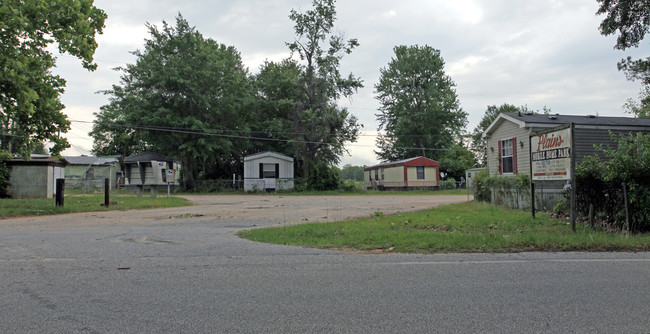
<point>273,209</point>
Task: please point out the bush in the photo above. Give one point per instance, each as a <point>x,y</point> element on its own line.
<point>601,183</point>
<point>5,173</point>
<point>481,187</point>
<point>448,184</point>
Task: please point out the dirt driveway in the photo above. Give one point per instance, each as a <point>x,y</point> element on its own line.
<point>274,209</point>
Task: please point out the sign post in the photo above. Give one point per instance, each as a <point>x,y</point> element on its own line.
<point>170,176</point>
<point>552,158</point>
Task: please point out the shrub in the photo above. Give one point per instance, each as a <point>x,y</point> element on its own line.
<point>448,184</point>
<point>481,186</point>
<point>5,173</point>
<point>601,182</point>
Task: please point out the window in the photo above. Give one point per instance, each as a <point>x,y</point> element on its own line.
<point>507,156</point>
<point>382,173</point>
<point>420,172</point>
<point>376,174</point>
<point>269,171</point>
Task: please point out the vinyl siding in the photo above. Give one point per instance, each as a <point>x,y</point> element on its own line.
<point>585,140</point>
<point>509,130</point>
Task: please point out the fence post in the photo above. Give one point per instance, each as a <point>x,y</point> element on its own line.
<point>107,192</point>
<point>60,186</point>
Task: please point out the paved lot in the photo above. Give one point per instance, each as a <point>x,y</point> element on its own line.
<point>150,273</point>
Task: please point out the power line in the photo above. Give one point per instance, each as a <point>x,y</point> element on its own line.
<point>203,132</point>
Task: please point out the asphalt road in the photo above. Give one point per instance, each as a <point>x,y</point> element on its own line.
<point>196,276</point>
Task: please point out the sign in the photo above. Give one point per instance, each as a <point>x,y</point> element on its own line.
<point>550,155</point>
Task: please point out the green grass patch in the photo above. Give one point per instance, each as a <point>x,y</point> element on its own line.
<point>84,203</point>
<point>464,227</point>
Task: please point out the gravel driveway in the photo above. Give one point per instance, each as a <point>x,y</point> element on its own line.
<point>273,209</point>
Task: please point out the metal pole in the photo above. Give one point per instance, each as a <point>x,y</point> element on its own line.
<point>627,213</point>
<point>532,199</point>
<point>573,181</point>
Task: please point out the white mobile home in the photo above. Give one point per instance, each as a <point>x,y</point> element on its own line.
<point>268,171</point>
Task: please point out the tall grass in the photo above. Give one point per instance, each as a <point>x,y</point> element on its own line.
<point>464,227</point>
<point>84,203</point>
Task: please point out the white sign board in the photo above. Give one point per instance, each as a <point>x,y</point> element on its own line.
<point>550,155</point>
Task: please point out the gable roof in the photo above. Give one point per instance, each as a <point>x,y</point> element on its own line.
<point>416,161</point>
<point>147,156</point>
<point>548,121</point>
<point>268,154</point>
<point>94,161</point>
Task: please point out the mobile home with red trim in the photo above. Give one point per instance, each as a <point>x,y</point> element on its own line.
<point>413,173</point>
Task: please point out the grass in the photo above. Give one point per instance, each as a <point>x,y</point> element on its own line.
<point>464,227</point>
<point>84,203</point>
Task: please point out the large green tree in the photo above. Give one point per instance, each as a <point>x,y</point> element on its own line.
<point>630,21</point>
<point>320,128</point>
<point>30,106</point>
<point>185,97</point>
<point>276,95</point>
<point>419,109</point>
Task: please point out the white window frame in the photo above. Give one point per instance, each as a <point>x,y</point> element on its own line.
<point>507,152</point>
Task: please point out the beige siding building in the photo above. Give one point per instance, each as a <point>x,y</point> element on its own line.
<point>508,137</point>
<point>418,172</point>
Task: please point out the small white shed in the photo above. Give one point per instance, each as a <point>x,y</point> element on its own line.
<point>268,171</point>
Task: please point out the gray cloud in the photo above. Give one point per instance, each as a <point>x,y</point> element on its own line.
<point>539,53</point>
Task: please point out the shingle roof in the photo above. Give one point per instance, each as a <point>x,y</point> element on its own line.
<point>582,120</point>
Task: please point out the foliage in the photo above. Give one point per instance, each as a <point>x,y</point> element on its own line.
<point>640,109</point>
<point>184,97</point>
<point>455,161</point>
<point>323,178</point>
<point>601,182</point>
<point>30,107</point>
<point>630,21</point>
<point>350,172</point>
<point>478,143</point>
<point>320,127</point>
<point>484,184</point>
<point>463,227</point>
<point>419,108</point>
<point>481,187</point>
<point>491,113</point>
<point>5,173</point>
<point>448,184</point>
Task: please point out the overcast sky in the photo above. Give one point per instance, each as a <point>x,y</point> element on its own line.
<point>535,53</point>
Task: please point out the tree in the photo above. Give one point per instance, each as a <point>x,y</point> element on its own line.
<point>30,108</point>
<point>185,97</point>
<point>320,128</point>
<point>640,109</point>
<point>456,161</point>
<point>491,113</point>
<point>419,109</point>
<point>630,19</point>
<point>276,95</point>
<point>350,172</point>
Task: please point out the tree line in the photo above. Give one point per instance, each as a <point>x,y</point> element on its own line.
<point>190,97</point>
